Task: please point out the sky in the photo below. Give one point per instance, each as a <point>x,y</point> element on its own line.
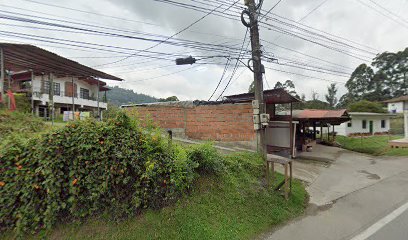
<point>361,23</point>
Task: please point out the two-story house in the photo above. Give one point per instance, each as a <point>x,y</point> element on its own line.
<point>80,94</point>
<point>54,84</point>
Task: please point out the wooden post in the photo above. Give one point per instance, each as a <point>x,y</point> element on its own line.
<point>321,131</point>
<point>73,99</point>
<point>291,131</point>
<point>9,88</point>
<point>32,93</point>
<point>99,114</point>
<point>51,96</point>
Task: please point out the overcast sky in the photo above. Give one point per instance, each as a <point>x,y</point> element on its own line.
<point>349,19</point>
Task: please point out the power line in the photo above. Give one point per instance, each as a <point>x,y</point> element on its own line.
<point>184,29</point>
<point>382,13</point>
<point>87,12</point>
<point>222,77</point>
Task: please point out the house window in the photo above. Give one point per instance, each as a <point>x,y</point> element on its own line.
<point>349,124</point>
<point>364,122</point>
<point>84,93</point>
<point>57,89</point>
<point>383,123</point>
<point>45,87</point>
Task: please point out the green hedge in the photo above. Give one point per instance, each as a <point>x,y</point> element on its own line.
<point>87,168</point>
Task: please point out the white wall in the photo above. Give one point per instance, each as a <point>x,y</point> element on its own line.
<point>357,125</point>
<point>397,107</point>
<point>93,91</point>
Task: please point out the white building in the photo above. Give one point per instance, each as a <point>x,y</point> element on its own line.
<point>52,83</point>
<point>83,98</point>
<point>399,105</point>
<point>365,123</point>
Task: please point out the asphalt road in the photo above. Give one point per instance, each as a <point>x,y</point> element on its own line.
<point>397,229</point>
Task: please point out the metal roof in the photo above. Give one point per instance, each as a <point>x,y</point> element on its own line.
<point>21,57</point>
<point>319,114</point>
<point>398,99</point>
<point>273,96</point>
<point>371,114</point>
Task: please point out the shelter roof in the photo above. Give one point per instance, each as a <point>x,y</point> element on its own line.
<point>22,57</point>
<point>398,99</point>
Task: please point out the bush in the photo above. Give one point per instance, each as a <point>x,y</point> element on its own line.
<point>23,124</point>
<point>208,160</point>
<point>366,106</point>
<point>91,167</point>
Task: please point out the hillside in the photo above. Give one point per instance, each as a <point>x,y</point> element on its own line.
<point>119,96</point>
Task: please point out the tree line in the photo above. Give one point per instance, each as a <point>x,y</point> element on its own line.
<point>368,85</point>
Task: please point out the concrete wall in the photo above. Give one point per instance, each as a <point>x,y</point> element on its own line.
<point>224,122</point>
<point>93,92</point>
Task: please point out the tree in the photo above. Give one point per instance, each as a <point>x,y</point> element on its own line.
<point>331,95</point>
<point>315,95</point>
<point>251,88</point>
<point>289,86</point>
<point>169,99</point>
<point>366,106</point>
<point>395,67</point>
<point>359,83</point>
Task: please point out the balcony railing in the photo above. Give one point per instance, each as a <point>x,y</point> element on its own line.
<point>39,94</point>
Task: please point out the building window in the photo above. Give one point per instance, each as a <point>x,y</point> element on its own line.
<point>84,93</point>
<point>57,89</point>
<point>383,123</point>
<point>349,124</point>
<point>364,122</point>
<point>45,87</point>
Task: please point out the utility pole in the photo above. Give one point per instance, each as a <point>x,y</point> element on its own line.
<point>251,12</point>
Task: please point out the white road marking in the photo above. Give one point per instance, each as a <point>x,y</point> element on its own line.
<point>381,223</point>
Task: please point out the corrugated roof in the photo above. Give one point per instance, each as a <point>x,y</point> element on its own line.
<point>398,99</point>
<point>273,96</point>
<point>319,114</point>
<point>370,114</point>
<point>21,57</point>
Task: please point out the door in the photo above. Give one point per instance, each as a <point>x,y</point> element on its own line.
<point>371,127</point>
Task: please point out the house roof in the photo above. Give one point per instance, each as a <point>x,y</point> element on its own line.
<point>398,99</point>
<point>319,114</point>
<point>370,114</point>
<point>21,57</point>
<point>273,96</point>
<point>333,117</point>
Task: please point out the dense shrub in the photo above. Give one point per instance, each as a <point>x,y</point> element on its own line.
<point>18,122</point>
<point>90,167</point>
<point>208,159</point>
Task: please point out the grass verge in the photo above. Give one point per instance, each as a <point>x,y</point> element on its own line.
<point>375,145</point>
<point>232,205</point>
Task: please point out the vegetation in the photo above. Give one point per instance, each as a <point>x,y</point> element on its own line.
<point>388,80</point>
<point>85,179</point>
<point>169,99</point>
<point>232,204</point>
<point>18,125</point>
<point>366,106</point>
<point>119,96</point>
<point>375,145</point>
<point>331,95</point>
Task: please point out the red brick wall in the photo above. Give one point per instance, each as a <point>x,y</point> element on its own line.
<point>224,122</point>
